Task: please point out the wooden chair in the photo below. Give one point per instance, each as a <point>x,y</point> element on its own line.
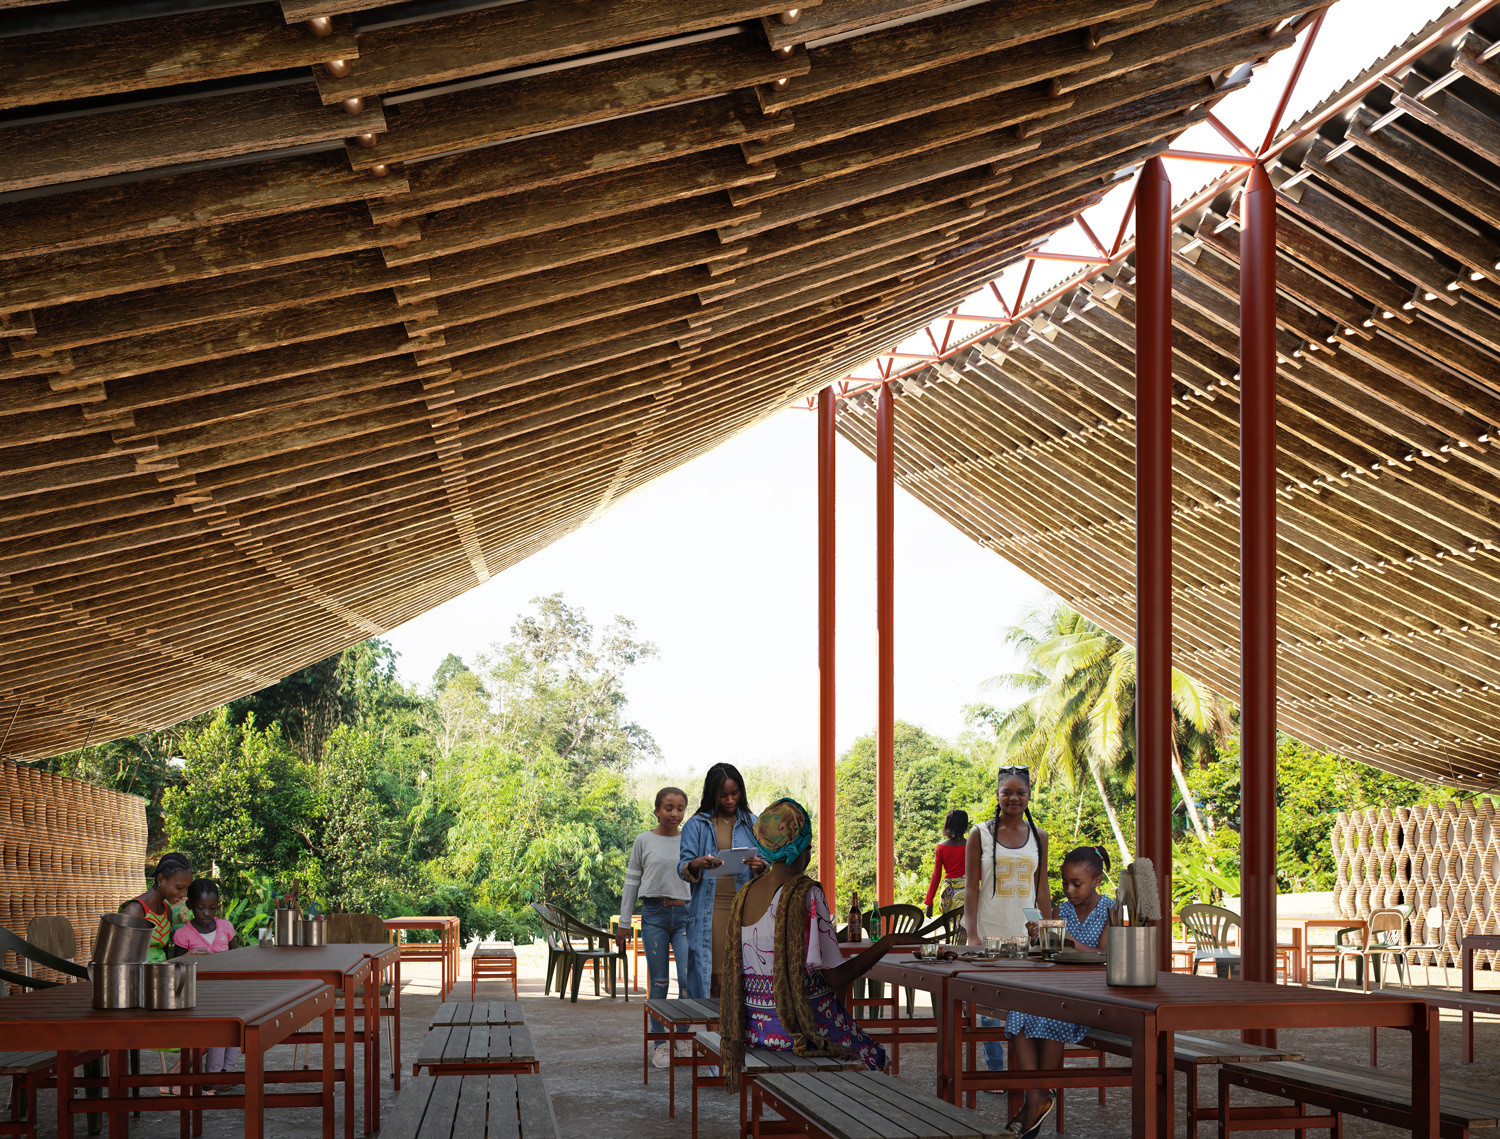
<point>1433,930</point>
<point>1384,939</point>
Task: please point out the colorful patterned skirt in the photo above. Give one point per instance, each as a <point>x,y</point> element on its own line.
<point>763,1027</point>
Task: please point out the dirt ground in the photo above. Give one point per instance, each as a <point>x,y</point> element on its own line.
<point>591,1058</point>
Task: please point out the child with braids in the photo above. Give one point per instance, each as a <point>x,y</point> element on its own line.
<point>169,884</point>
<point>1005,874</point>
<point>1039,1040</point>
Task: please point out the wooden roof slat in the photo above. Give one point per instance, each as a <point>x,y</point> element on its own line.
<point>115,142</point>
<point>108,59</point>
<point>1163,11</point>
<point>444,123</point>
<point>836,17</point>
<point>508,36</point>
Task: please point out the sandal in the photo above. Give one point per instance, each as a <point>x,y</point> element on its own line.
<point>1036,1124</point>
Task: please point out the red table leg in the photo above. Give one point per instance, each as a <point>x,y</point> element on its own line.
<point>1468,958</point>
<point>1424,1073</point>
<point>65,1098</point>
<point>1144,1095</point>
<point>328,1074</point>
<point>396,1025</point>
<point>255,1085</point>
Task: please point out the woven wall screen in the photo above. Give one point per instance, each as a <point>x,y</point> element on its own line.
<point>66,847</point>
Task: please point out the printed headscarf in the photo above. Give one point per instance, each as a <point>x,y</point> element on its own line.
<point>783,832</point>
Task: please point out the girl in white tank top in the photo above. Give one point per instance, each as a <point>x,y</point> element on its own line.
<point>995,899</point>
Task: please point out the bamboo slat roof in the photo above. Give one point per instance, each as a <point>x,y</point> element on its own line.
<point>1389,421</point>
<point>314,315</point>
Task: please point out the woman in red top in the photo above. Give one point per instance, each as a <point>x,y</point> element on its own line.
<point>949,863</point>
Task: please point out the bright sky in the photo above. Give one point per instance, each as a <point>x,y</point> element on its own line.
<point>717,562</point>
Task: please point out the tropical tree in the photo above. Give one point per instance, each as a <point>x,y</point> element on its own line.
<point>1079,715</point>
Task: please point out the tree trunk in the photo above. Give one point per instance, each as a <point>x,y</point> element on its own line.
<point>1109,809</point>
<point>1187,798</point>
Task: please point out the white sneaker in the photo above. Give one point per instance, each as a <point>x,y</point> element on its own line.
<point>661,1055</point>
<point>684,1048</point>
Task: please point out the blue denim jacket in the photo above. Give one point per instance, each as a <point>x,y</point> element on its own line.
<point>698,839</point>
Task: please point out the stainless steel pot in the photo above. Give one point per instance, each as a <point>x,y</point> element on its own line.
<point>169,984</point>
<point>312,932</point>
<point>1130,955</point>
<point>116,984</point>
<point>122,939</point>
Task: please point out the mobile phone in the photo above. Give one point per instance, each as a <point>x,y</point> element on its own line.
<point>1032,913</point>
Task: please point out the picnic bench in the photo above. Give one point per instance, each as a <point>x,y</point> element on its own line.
<point>31,1072</point>
<point>1345,1089</point>
<point>465,1049</point>
<point>1189,1054</point>
<point>863,1105</point>
<point>759,1062</point>
<point>479,1012</point>
<point>1467,1003</point>
<point>472,1107</point>
<point>493,963</point>
<point>676,1016</point>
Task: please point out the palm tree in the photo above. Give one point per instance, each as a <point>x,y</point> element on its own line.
<point>1080,715</point>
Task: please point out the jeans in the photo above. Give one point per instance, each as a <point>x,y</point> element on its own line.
<point>994,1050</point>
<point>664,928</point>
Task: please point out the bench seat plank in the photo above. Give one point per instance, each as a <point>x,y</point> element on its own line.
<point>684,1010</point>
<point>24,1063</point>
<point>476,1045</point>
<point>479,1012</point>
<point>764,1060</point>
<point>1464,1107</point>
<point>1197,1049</point>
<point>868,1105</point>
<point>472,1107</point>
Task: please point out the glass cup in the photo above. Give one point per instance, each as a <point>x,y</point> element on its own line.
<point>994,946</point>
<point>928,950</point>
<point>1019,946</point>
<point>1050,935</point>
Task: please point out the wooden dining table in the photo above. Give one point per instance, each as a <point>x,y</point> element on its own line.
<point>1151,1016</point>
<point>253,1016</point>
<point>344,968</point>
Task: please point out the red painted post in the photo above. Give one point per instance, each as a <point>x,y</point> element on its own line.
<point>1258,582</point>
<point>827,657</point>
<point>885,609</point>
<point>1153,528</point>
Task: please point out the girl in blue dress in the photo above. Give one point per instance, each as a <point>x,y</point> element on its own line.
<point>1038,1040</point>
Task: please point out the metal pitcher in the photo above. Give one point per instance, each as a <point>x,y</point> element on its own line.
<point>169,984</point>
<point>122,940</point>
<point>286,926</point>
<point>1130,955</point>
<point>116,984</point>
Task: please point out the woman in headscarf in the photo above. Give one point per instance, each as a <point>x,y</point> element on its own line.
<point>724,821</point>
<point>784,966</point>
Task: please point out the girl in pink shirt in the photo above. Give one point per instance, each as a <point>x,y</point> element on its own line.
<point>208,933</point>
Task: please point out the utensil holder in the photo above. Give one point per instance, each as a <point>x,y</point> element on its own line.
<point>1130,956</point>
<point>286,926</point>
<point>312,932</point>
<point>169,984</point>
<point>116,984</point>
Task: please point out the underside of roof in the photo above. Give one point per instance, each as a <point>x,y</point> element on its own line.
<point>1388,275</point>
<point>312,317</point>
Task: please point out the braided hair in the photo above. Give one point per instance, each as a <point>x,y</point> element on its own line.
<point>1096,858</point>
<point>170,864</point>
<point>1024,774</point>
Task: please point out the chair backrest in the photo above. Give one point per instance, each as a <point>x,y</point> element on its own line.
<point>1210,925</point>
<point>1386,927</point>
<point>945,924</point>
<point>356,929</point>
<point>551,927</point>
<point>53,934</point>
<point>898,918</point>
<point>26,951</point>
<point>1432,926</point>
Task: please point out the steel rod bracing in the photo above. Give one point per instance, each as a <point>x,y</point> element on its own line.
<point>1258,581</point>
<point>885,610</point>
<point>827,655</point>
<point>1153,524</point>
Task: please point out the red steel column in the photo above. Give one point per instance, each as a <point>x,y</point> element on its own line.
<point>885,611</point>
<point>1153,528</point>
<point>827,437</point>
<point>1258,579</point>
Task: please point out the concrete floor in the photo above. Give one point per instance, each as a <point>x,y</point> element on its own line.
<point>591,1058</point>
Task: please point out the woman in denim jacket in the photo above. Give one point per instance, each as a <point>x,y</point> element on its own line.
<point>724,820</point>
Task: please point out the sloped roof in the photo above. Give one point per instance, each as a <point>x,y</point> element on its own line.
<point>1389,421</point>
<point>315,314</point>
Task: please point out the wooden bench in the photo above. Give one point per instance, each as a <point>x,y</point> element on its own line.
<point>677,1016</point>
<point>1345,1089</point>
<point>862,1105</point>
<point>479,1012</point>
<point>28,1072</point>
<point>463,1049</point>
<point>1460,1000</point>
<point>472,1107</point>
<point>493,964</point>
<point>1191,1053</point>
<point>759,1062</point>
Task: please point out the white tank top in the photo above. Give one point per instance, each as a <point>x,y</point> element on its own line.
<point>1007,884</point>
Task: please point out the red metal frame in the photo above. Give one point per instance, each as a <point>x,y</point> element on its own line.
<point>1258,581</point>
<point>827,656</point>
<point>1153,525</point>
<point>885,613</point>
